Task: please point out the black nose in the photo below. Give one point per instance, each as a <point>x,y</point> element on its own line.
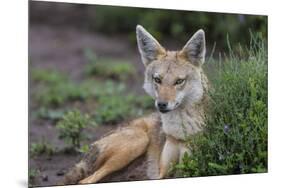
<point>162,105</point>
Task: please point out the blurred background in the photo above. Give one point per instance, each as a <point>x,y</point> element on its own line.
<point>85,69</point>
<point>176,25</point>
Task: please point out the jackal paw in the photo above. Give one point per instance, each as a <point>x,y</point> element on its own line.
<point>84,181</point>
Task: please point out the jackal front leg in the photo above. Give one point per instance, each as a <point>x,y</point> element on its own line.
<point>169,155</point>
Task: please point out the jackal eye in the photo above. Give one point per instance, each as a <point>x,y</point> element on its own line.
<point>179,81</point>
<point>157,80</point>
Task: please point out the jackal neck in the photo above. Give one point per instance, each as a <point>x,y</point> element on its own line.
<point>189,118</point>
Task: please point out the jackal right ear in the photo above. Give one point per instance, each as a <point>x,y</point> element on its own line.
<point>149,47</point>
<point>195,48</point>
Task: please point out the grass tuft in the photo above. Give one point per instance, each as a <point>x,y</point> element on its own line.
<point>70,128</point>
<point>40,148</point>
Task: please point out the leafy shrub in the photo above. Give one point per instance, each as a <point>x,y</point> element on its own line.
<point>235,139</point>
<point>108,68</point>
<point>71,127</point>
<point>41,148</point>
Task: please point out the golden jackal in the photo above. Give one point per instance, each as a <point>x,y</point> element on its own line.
<point>176,81</point>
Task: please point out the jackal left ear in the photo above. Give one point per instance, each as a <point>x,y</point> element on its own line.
<point>149,47</point>
<point>195,49</point>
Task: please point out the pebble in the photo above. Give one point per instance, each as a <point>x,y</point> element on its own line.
<point>60,173</point>
<point>45,177</point>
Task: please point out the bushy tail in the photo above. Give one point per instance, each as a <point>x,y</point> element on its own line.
<point>77,173</point>
<point>83,169</point>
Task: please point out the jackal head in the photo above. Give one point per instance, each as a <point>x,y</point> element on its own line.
<point>172,78</point>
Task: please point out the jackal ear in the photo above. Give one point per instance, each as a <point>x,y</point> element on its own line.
<point>149,47</point>
<point>195,49</point>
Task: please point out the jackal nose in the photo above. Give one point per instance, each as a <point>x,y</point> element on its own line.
<point>162,105</point>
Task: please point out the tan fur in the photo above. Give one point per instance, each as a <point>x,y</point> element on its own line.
<point>160,135</point>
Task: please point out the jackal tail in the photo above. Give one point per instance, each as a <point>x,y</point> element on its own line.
<point>82,169</point>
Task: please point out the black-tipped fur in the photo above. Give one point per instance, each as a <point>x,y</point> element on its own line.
<point>83,169</point>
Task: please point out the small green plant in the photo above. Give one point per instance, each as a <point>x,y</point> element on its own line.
<point>84,149</point>
<point>55,95</point>
<point>32,174</point>
<point>55,88</point>
<point>113,109</point>
<point>108,68</point>
<point>41,148</point>
<point>50,114</point>
<point>71,127</point>
<point>96,88</point>
<point>145,102</point>
<point>235,137</point>
<point>118,107</point>
<point>114,104</point>
<point>47,76</point>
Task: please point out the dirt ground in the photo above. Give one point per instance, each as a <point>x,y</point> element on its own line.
<point>61,48</point>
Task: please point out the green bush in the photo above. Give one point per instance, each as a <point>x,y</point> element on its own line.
<point>71,126</point>
<point>235,138</point>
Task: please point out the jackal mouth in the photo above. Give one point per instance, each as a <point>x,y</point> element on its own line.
<point>164,111</point>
